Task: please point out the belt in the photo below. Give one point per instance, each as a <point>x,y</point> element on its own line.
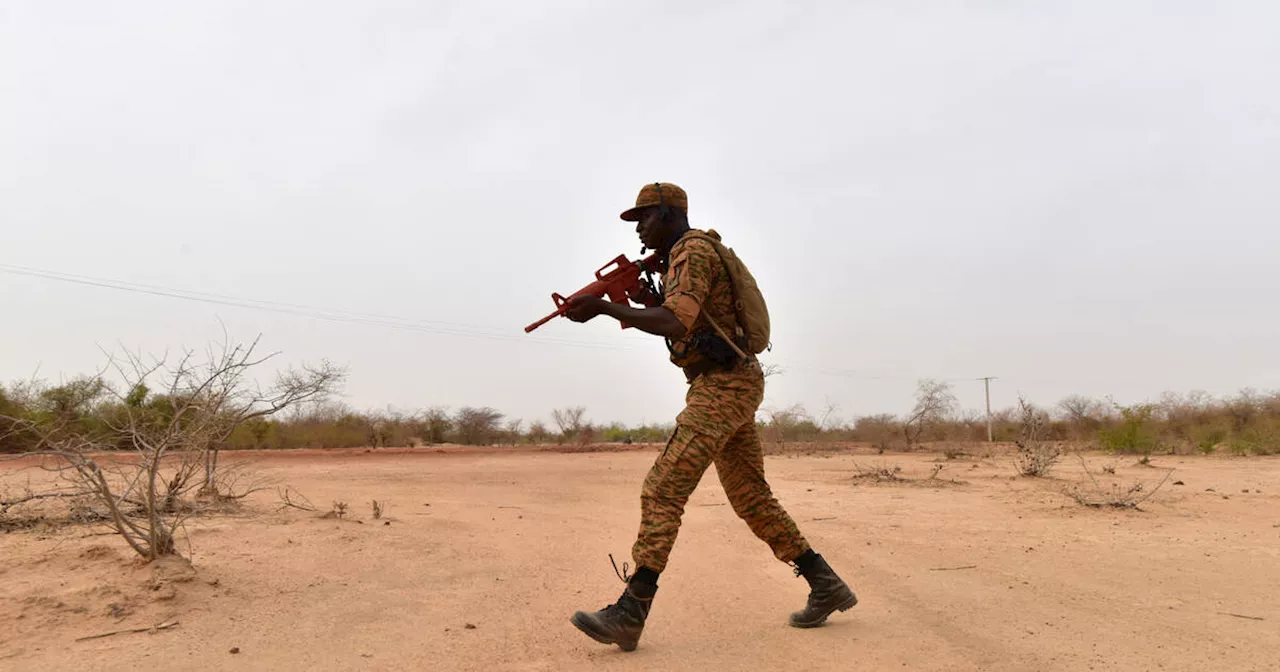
<point>700,367</point>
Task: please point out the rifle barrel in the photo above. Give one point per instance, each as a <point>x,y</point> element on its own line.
<point>543,321</point>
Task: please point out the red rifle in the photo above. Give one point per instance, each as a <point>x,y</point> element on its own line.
<point>622,284</point>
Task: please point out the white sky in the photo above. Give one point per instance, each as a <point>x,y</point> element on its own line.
<point>1074,197</point>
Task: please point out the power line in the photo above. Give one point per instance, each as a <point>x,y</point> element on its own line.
<point>436,327</point>
<point>371,319</point>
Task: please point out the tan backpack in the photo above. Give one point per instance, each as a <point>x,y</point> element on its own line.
<point>748,302</point>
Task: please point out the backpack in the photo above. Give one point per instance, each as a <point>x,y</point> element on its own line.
<point>748,302</point>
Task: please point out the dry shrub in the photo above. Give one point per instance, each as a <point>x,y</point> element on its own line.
<point>175,434</point>
<point>1035,457</point>
<point>1115,496</point>
<point>338,511</point>
<point>290,498</point>
<point>881,473</point>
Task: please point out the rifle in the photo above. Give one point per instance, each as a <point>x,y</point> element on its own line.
<point>622,284</point>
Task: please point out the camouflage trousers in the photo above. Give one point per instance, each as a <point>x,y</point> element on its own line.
<point>716,426</point>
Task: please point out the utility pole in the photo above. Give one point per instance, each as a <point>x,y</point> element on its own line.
<point>987,381</point>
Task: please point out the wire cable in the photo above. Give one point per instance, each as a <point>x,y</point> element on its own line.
<point>372,319</point>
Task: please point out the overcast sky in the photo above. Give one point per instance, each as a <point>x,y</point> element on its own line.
<point>1075,197</point>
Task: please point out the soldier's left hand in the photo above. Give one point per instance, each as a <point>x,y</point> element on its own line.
<point>583,308</point>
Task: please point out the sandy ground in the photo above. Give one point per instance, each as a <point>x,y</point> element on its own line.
<point>487,554</point>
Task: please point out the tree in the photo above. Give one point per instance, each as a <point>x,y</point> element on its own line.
<point>934,402</point>
<point>477,426</point>
<point>569,420</point>
<point>538,433</point>
<point>436,425</point>
<point>1083,414</point>
<point>827,415</point>
<point>786,423</point>
<point>513,431</point>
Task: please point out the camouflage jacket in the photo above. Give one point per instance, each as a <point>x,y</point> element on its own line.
<point>696,286</point>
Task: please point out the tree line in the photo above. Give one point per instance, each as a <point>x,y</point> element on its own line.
<point>1246,423</point>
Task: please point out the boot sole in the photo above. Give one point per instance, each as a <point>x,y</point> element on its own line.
<point>581,622</point>
<point>843,606</point>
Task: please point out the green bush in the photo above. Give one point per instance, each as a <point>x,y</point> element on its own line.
<point>1133,434</point>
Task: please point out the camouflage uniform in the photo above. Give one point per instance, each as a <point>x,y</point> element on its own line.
<point>716,426</point>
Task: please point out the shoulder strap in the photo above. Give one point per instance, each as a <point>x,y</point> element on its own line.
<point>714,238</point>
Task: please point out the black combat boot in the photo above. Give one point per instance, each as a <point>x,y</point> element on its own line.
<point>620,623</point>
<point>827,593</point>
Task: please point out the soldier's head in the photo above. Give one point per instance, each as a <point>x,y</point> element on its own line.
<point>661,214</point>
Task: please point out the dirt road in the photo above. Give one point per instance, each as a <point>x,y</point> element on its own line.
<point>487,555</point>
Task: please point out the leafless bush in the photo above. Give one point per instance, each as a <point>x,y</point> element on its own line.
<point>1035,456</point>
<point>880,473</point>
<point>291,498</point>
<point>176,436</point>
<point>377,509</point>
<point>1115,496</point>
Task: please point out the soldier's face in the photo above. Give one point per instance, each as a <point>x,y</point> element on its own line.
<point>651,229</point>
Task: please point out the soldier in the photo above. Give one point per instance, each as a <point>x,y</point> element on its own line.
<point>726,386</point>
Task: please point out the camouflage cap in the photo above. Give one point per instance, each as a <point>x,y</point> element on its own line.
<point>657,193</point>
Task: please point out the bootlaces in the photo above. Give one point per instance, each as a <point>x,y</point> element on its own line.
<point>626,578</point>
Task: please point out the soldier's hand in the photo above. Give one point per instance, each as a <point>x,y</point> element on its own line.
<point>583,308</point>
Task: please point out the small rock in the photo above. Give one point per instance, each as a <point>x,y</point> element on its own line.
<point>387,523</point>
<point>1209,490</point>
<point>1225,497</point>
<point>470,626</point>
<point>1245,491</point>
<point>235,649</point>
<point>1179,483</point>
